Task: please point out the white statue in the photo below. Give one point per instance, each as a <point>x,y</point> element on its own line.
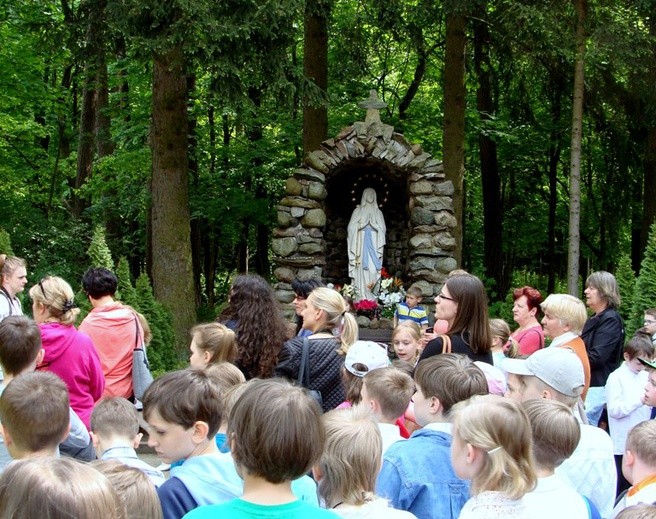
<point>366,240</point>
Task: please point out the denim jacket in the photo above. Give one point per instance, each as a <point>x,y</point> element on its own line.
<point>417,476</point>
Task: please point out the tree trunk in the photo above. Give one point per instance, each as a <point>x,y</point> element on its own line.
<point>554,159</point>
<point>573,251</point>
<point>170,233</point>
<point>315,68</point>
<point>454,119</point>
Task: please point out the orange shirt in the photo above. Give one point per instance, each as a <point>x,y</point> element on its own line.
<point>578,346</point>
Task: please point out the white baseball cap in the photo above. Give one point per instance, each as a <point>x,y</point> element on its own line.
<point>368,353</point>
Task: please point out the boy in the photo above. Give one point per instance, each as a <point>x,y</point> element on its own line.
<point>276,436</point>
<point>21,352</point>
<point>183,410</point>
<point>650,323</point>
<point>115,434</point>
<point>410,310</point>
<point>624,389</point>
<point>34,414</point>
<point>387,392</point>
<point>557,374</point>
<point>417,474</point>
<point>639,466</point>
<point>556,434</point>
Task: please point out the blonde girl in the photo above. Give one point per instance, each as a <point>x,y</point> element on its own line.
<point>406,341</point>
<point>502,345</point>
<point>13,280</point>
<point>492,447</point>
<point>211,343</point>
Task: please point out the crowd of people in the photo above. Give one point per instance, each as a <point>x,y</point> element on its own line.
<point>464,419</point>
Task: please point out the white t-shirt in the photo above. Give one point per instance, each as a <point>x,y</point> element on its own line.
<point>552,497</point>
<point>379,508</point>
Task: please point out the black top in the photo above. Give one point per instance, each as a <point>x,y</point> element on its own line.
<point>459,344</point>
<point>603,335</point>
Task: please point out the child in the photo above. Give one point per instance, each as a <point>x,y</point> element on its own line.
<point>361,358</point>
<point>183,410</point>
<point>417,475</point>
<point>492,448</point>
<point>639,466</point>
<point>115,434</point>
<point>57,488</point>
<point>134,489</point>
<point>502,345</point>
<point>227,377</point>
<point>351,459</point>
<point>210,344</point>
<point>556,434</point>
<point>641,511</point>
<point>276,437</point>
<point>650,323</point>
<point>410,310</point>
<point>387,392</point>
<point>624,389</point>
<point>34,415</point>
<point>406,340</point>
<point>21,352</point>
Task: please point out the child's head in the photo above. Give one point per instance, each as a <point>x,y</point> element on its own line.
<point>34,411</point>
<point>57,488</point>
<point>183,410</point>
<point>351,459</point>
<point>441,382</point>
<point>492,446</point>
<point>135,491</point>
<point>114,421</point>
<point>413,296</point>
<point>500,332</point>
<point>225,375</point>
<point>650,321</point>
<point>406,340</point>
<point>556,432</point>
<point>640,511</point>
<point>387,392</point>
<point>275,431</point>
<point>361,358</point>
<point>640,450</point>
<point>20,345</point>
<point>638,347</point>
<point>211,343</point>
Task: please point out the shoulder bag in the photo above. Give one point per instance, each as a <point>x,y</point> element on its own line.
<point>141,375</point>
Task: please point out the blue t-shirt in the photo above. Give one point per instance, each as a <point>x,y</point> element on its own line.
<point>416,314</point>
<point>240,509</point>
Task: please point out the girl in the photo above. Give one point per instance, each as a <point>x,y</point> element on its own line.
<point>406,340</point>
<point>492,446</point>
<point>502,345</point>
<point>14,278</point>
<point>210,344</point>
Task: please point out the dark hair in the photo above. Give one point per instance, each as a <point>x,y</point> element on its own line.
<point>261,328</point>
<point>639,345</point>
<point>99,282</point>
<point>471,317</point>
<point>276,430</point>
<point>302,288</point>
<point>451,378</point>
<point>533,296</point>
<point>20,343</point>
<point>184,398</point>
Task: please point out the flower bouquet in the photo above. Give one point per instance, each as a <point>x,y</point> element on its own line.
<point>368,308</point>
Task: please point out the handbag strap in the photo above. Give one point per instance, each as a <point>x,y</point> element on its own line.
<point>446,343</point>
<point>136,333</point>
<point>304,368</point>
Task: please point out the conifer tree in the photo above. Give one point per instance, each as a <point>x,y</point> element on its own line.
<point>626,281</point>
<point>126,292</point>
<point>98,251</point>
<point>5,243</point>
<point>645,289</point>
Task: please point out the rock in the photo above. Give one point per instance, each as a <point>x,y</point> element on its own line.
<point>427,229</point>
<point>299,261</point>
<point>425,287</point>
<point>317,191</point>
<point>386,324</point>
<point>446,264</point>
<point>293,187</point>
<point>285,232</point>
<point>421,188</point>
<point>423,262</point>
<point>435,203</point>
<point>314,159</point>
<point>283,246</point>
<point>443,188</point>
<point>421,241</point>
<point>297,201</point>
<point>314,218</point>
<point>284,296</point>
<point>310,174</point>
<point>284,274</point>
<point>363,321</point>
<point>307,274</point>
<point>422,216</point>
<point>310,248</point>
<point>297,212</point>
<point>284,219</point>
<point>445,241</point>
<point>445,219</point>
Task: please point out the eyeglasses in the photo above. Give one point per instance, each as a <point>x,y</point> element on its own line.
<point>649,321</point>
<point>442,296</point>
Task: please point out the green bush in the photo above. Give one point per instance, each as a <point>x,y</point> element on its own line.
<point>644,295</point>
<point>626,281</point>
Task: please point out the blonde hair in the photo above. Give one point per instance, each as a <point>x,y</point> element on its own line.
<point>217,339</point>
<point>351,458</point>
<point>225,375</point>
<point>391,388</point>
<point>57,488</point>
<point>641,441</point>
<point>499,328</point>
<point>57,296</point>
<point>500,428</point>
<point>8,264</point>
<point>639,511</point>
<point>337,316</point>
<point>569,310</point>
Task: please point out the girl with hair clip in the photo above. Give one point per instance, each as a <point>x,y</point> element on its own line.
<point>492,447</point>
<point>462,302</point>
<point>333,329</point>
<point>14,279</point>
<point>255,316</point>
<point>68,353</point>
<point>211,344</point>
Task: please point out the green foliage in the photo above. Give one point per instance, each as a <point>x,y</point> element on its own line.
<point>645,286</point>
<point>99,253</point>
<point>126,291</point>
<point>626,280</point>
<point>5,243</point>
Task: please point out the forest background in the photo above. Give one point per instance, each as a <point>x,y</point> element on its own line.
<point>171,126</point>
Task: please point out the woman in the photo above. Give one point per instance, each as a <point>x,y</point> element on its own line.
<point>463,304</point>
<point>256,318</point>
<point>333,331</point>
<point>14,278</point>
<point>529,335</point>
<point>564,317</point>
<point>603,335</point>
<point>68,353</point>
<point>302,289</point>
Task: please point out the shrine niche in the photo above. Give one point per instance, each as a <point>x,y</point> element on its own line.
<point>410,191</point>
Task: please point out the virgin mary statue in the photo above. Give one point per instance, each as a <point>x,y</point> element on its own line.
<point>366,240</point>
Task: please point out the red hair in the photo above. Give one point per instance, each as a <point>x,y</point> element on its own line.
<point>533,296</point>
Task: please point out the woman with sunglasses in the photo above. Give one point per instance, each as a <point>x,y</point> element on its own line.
<point>68,353</point>
<point>462,302</point>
